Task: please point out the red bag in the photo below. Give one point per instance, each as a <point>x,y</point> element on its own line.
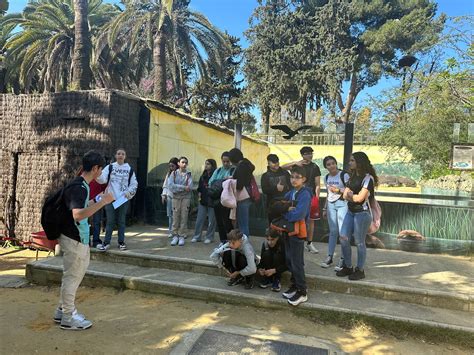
<point>314,213</point>
<point>253,190</point>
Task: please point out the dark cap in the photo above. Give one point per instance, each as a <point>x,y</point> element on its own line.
<point>305,150</point>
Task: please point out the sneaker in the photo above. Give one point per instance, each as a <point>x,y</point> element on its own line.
<point>265,283</point>
<point>326,263</point>
<point>170,235</point>
<point>311,248</point>
<point>290,292</point>
<point>276,286</point>
<point>345,271</point>
<point>100,247</point>
<point>122,246</point>
<point>249,282</point>
<point>298,297</point>
<point>181,241</point>
<point>58,315</point>
<point>175,240</point>
<point>75,321</point>
<point>207,241</point>
<point>357,275</point>
<point>106,246</point>
<point>235,280</point>
<point>195,239</point>
<point>339,265</point>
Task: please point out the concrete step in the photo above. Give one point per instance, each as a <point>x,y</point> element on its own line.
<point>431,298</point>
<point>338,308</point>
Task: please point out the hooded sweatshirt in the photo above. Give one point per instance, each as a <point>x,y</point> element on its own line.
<point>118,183</point>
<point>270,180</point>
<point>245,248</point>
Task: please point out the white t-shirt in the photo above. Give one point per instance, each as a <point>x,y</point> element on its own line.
<point>118,183</point>
<point>336,180</point>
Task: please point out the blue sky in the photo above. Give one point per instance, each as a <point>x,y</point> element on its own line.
<point>233,16</point>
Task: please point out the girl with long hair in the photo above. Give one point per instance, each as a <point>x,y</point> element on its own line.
<point>167,195</point>
<point>359,190</point>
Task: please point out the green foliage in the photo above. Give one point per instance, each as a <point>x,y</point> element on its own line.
<point>220,97</point>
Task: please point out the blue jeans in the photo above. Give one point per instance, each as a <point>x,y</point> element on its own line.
<point>204,211</point>
<point>356,224</point>
<point>121,214</point>
<point>96,224</point>
<point>243,221</point>
<point>169,213</point>
<point>336,212</point>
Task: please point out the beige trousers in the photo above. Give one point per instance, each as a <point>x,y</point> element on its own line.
<point>76,258</point>
<point>180,215</point>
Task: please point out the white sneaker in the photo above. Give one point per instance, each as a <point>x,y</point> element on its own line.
<point>207,241</point>
<point>181,241</point>
<point>327,262</point>
<point>106,246</point>
<point>170,235</point>
<point>75,321</point>
<point>311,248</point>
<point>100,247</point>
<point>339,265</point>
<point>175,240</point>
<point>196,239</point>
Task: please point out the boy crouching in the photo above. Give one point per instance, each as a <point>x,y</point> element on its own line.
<point>238,258</point>
<point>273,261</point>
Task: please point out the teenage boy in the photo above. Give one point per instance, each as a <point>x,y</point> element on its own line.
<point>300,197</point>
<point>275,183</point>
<point>313,177</point>
<point>74,239</point>
<point>238,258</point>
<point>273,261</point>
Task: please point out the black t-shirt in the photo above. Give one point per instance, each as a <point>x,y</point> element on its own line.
<point>75,196</point>
<point>312,171</point>
<point>356,183</point>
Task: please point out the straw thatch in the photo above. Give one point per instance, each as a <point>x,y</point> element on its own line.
<point>48,134</point>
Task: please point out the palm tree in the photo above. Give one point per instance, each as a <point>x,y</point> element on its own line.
<point>82,74</point>
<point>171,36</point>
<point>42,51</point>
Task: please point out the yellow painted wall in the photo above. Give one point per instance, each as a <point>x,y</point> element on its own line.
<point>290,152</point>
<point>172,135</point>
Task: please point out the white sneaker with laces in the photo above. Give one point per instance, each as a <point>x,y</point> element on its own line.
<point>175,240</point>
<point>75,321</point>
<point>311,248</point>
<point>207,241</point>
<point>100,247</point>
<point>339,265</point>
<point>196,239</point>
<point>181,241</point>
<point>327,262</point>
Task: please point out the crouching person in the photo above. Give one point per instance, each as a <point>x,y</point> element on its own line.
<point>273,261</point>
<point>238,258</point>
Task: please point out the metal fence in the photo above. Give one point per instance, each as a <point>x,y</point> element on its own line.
<point>317,139</point>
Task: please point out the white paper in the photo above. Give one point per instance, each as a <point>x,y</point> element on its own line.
<point>119,202</point>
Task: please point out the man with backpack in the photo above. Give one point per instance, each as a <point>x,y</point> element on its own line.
<point>64,216</point>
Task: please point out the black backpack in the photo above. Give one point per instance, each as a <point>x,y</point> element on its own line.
<point>55,212</point>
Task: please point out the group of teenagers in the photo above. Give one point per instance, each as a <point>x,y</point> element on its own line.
<point>291,192</point>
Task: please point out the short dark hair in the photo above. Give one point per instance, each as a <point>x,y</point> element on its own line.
<point>91,159</point>
<point>181,158</point>
<point>305,150</point>
<point>234,235</point>
<point>235,155</point>
<point>225,154</point>
<point>273,158</point>
<point>298,170</point>
<point>328,158</point>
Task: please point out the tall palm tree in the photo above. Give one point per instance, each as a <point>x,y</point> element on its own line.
<point>82,73</point>
<point>42,51</point>
<point>169,34</point>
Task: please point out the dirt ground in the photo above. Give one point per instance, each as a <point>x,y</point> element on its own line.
<point>133,322</point>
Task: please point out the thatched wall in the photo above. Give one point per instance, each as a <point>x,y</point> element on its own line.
<point>43,138</point>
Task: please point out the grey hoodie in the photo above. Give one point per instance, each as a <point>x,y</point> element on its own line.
<point>177,183</point>
<point>245,248</point>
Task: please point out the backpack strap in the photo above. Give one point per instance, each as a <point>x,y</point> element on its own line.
<point>342,173</point>
<point>110,173</point>
<point>130,174</point>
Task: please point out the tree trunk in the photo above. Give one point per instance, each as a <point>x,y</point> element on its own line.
<point>82,73</point>
<point>266,119</point>
<point>159,62</point>
<point>351,96</point>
